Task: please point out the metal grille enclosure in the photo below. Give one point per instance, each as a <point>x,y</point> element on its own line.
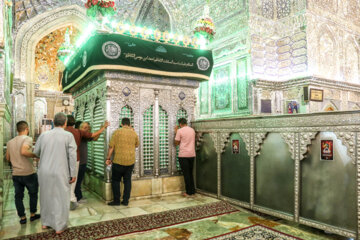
<point>127,112</point>
<point>78,117</point>
<point>164,140</point>
<point>148,141</point>
<point>87,118</point>
<point>99,145</point>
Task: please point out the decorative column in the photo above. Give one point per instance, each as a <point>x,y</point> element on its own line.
<point>108,132</point>
<point>30,97</point>
<point>252,171</point>
<point>156,133</point>
<point>2,106</point>
<point>220,139</point>
<point>357,144</point>
<point>297,175</point>
<point>302,140</point>
<point>2,151</point>
<point>256,140</point>
<point>215,138</point>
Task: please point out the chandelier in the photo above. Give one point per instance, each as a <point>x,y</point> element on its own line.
<point>66,49</point>
<point>205,28</point>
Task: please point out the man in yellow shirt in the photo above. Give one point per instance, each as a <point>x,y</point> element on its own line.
<point>123,142</point>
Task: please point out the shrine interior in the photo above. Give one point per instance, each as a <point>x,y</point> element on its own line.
<point>271,88</point>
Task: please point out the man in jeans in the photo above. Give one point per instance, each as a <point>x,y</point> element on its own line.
<point>123,142</point>
<point>83,126</point>
<point>185,137</point>
<point>19,153</point>
<point>78,136</point>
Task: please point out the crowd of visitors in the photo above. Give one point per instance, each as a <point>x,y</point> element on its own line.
<point>62,155</point>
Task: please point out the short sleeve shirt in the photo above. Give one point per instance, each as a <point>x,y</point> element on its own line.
<point>22,166</point>
<point>84,150</point>
<point>78,135</point>
<point>186,136</point>
<point>124,141</point>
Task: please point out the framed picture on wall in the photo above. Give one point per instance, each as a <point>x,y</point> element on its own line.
<point>316,95</point>
<point>235,146</point>
<point>292,107</point>
<point>327,150</point>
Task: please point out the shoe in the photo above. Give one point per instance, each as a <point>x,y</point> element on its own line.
<point>82,201</point>
<point>60,232</point>
<point>114,203</point>
<point>23,221</point>
<point>33,218</point>
<point>73,205</point>
<point>124,203</point>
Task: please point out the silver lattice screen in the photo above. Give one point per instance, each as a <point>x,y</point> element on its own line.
<point>163,141</point>
<point>148,141</point>
<point>99,145</point>
<point>87,118</point>
<point>127,112</point>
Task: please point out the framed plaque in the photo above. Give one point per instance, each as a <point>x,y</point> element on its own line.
<point>316,95</point>
<point>327,150</point>
<point>235,147</point>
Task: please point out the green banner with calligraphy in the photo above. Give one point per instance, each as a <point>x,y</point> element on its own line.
<point>105,51</point>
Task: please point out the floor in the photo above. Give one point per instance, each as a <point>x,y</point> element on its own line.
<point>95,210</point>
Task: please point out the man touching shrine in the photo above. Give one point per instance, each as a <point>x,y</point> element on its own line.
<point>123,142</point>
<point>185,138</point>
<point>79,135</point>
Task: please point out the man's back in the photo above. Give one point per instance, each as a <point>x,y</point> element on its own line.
<point>186,136</point>
<point>124,141</point>
<point>22,166</point>
<point>53,147</point>
<point>78,136</point>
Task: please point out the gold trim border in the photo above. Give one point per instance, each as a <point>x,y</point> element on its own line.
<point>135,69</point>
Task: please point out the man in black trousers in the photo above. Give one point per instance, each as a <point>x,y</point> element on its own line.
<point>185,137</point>
<point>123,142</point>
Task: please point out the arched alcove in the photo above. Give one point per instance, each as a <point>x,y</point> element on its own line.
<point>153,14</point>
<point>38,27</point>
<point>351,64</point>
<point>40,109</point>
<point>235,169</point>
<point>99,145</point>
<point>163,140</point>
<point>127,112</point>
<point>28,36</point>
<point>274,174</point>
<point>206,165</point>
<point>324,197</point>
<point>327,53</point>
<point>330,107</point>
<point>48,67</point>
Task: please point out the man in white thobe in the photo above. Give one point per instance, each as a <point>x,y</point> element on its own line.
<point>57,170</point>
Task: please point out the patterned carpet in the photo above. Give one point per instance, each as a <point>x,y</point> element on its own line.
<point>254,233</point>
<point>118,227</point>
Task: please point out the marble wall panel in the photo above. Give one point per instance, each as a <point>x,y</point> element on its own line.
<point>1,24</point>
